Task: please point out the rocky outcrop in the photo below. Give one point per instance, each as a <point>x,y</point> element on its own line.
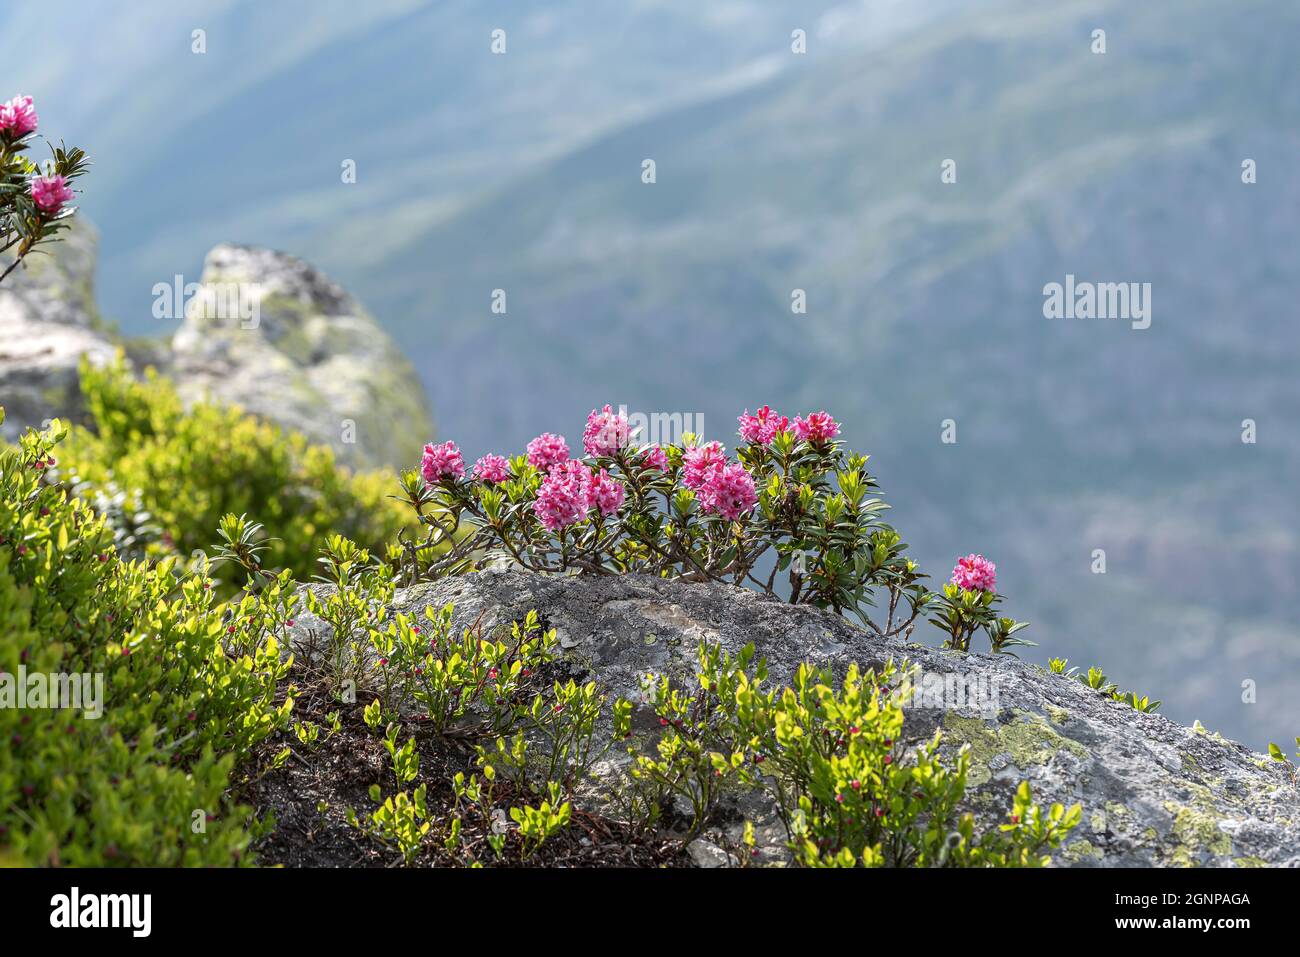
<point>270,333</point>
<point>48,321</point>
<point>264,331</point>
<point>1153,793</point>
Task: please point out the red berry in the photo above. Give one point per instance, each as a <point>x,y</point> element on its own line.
<point>853,729</point>
<point>289,622</point>
<point>856,785</point>
<point>839,799</point>
<point>1015,819</point>
<point>191,716</point>
<point>880,812</point>
<point>889,759</point>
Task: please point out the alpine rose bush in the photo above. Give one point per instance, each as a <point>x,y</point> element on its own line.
<point>492,468</point>
<point>975,573</point>
<point>547,450</point>
<point>33,199</point>
<point>791,514</point>
<point>442,461</point>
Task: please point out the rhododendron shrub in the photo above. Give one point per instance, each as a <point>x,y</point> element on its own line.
<point>790,513</point>
<point>968,604</point>
<point>34,199</point>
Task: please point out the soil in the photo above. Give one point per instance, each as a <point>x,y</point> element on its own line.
<point>307,799</point>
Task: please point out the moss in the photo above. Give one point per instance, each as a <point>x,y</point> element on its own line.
<point>1029,740</point>
<point>1082,852</point>
<point>1195,831</point>
<point>1250,862</point>
<point>1058,715</point>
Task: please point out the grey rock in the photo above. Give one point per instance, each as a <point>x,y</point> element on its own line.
<point>48,321</point>
<point>314,361</point>
<point>707,854</point>
<point>1153,793</point>
<point>296,348</point>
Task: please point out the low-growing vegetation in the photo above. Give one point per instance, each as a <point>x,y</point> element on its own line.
<point>793,497</point>
<point>165,475</point>
<point>163,549</point>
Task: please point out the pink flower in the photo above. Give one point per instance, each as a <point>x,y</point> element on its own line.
<point>653,457</point>
<point>606,493</point>
<point>699,461</point>
<point>440,461</point>
<point>17,118</point>
<point>728,491</point>
<point>606,432</point>
<point>492,468</point>
<point>547,450</point>
<point>564,497</point>
<point>761,427</point>
<point>818,427</point>
<point>975,573</point>
<point>49,193</point>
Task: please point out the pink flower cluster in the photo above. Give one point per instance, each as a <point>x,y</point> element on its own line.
<point>761,427</point>
<point>49,193</point>
<point>17,118</point>
<point>722,489</point>
<point>441,461</point>
<point>571,490</point>
<point>699,461</point>
<point>492,468</point>
<point>653,457</point>
<point>728,491</point>
<point>547,450</point>
<point>818,427</point>
<point>606,432</point>
<point>975,573</point>
<point>606,493</point>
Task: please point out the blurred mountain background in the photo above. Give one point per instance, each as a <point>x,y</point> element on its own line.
<point>777,172</point>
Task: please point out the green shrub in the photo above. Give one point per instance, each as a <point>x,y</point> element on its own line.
<point>830,755</point>
<point>188,468</point>
<point>146,782</point>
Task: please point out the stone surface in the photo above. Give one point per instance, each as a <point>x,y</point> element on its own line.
<point>48,321</point>
<point>274,335</point>
<point>314,360</point>
<point>1153,793</point>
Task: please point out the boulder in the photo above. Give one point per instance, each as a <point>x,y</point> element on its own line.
<point>48,321</point>
<point>1153,793</point>
<point>266,332</point>
<point>272,334</point>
